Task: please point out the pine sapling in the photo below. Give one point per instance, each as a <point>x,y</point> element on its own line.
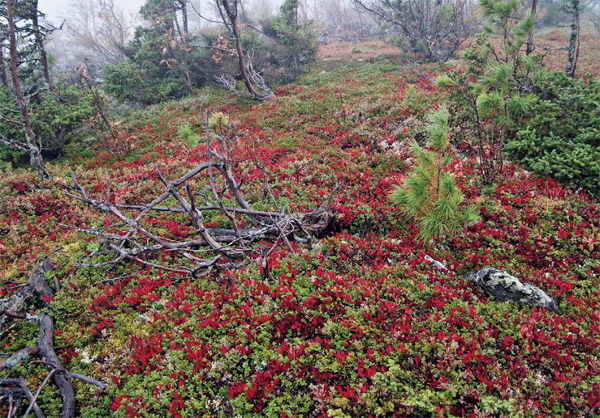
<point>429,195</point>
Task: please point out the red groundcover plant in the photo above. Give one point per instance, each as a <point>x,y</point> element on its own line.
<point>359,325</point>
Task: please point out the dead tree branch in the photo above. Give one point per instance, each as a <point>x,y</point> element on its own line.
<point>228,10</point>
<point>36,292</point>
<point>258,80</point>
<point>227,82</point>
<point>205,249</point>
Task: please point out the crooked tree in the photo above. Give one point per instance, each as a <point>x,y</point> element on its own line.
<point>30,144</point>
<point>430,29</point>
<point>228,10</point>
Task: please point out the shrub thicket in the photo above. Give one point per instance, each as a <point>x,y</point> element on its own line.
<point>561,139</point>
<point>155,69</point>
<point>54,116</point>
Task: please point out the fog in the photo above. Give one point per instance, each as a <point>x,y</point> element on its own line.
<point>57,10</point>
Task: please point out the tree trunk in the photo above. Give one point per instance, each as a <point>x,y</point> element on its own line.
<point>530,46</point>
<point>185,17</point>
<point>3,76</point>
<point>35,156</point>
<point>40,44</point>
<point>233,20</point>
<point>574,41</point>
<point>184,48</point>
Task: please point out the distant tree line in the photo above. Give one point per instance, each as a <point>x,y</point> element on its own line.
<point>40,110</point>
<point>165,60</point>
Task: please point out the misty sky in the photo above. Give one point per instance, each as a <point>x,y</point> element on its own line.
<point>56,10</point>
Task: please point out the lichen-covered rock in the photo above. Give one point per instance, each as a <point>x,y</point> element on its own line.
<point>503,286</point>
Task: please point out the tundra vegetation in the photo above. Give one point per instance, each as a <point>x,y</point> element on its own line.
<point>216,222</point>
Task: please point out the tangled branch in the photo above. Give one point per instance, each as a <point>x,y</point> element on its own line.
<point>35,292</point>
<point>208,248</point>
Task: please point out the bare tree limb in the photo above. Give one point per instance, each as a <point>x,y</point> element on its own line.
<point>37,290</point>
<point>88,380</point>
<point>37,393</point>
<point>205,249</point>
<point>18,357</point>
<point>30,398</point>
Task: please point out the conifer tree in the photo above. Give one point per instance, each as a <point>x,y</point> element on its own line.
<point>430,196</point>
<point>296,43</point>
<point>497,86</point>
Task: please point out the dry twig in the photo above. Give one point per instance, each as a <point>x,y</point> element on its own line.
<point>208,248</point>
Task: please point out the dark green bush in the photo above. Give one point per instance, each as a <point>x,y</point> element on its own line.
<point>54,115</point>
<point>292,45</point>
<point>155,69</point>
<point>562,137</point>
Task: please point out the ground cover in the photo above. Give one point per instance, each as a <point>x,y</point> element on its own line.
<point>358,325</point>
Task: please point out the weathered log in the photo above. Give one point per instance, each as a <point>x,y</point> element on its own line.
<point>47,353</point>
<point>35,288</point>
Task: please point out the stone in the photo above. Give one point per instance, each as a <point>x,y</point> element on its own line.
<point>433,262</point>
<point>502,286</point>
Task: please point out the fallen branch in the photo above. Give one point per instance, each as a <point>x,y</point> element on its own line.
<point>37,291</point>
<point>206,249</point>
<point>88,380</point>
<point>30,398</point>
<point>37,393</point>
<point>18,357</point>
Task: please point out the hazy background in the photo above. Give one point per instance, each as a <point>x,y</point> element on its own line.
<point>57,10</point>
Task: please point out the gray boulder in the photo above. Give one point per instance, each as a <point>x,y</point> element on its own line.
<point>503,286</point>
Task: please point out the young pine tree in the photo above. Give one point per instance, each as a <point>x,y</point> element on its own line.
<point>497,88</point>
<point>295,41</point>
<point>429,195</point>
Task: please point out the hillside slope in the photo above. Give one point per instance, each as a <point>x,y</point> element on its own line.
<point>358,325</point>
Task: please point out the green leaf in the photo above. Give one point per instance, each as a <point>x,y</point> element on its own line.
<point>489,104</point>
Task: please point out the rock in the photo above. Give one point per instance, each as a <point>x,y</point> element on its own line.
<point>435,263</point>
<point>503,286</point>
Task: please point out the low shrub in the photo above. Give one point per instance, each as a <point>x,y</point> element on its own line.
<point>562,137</point>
